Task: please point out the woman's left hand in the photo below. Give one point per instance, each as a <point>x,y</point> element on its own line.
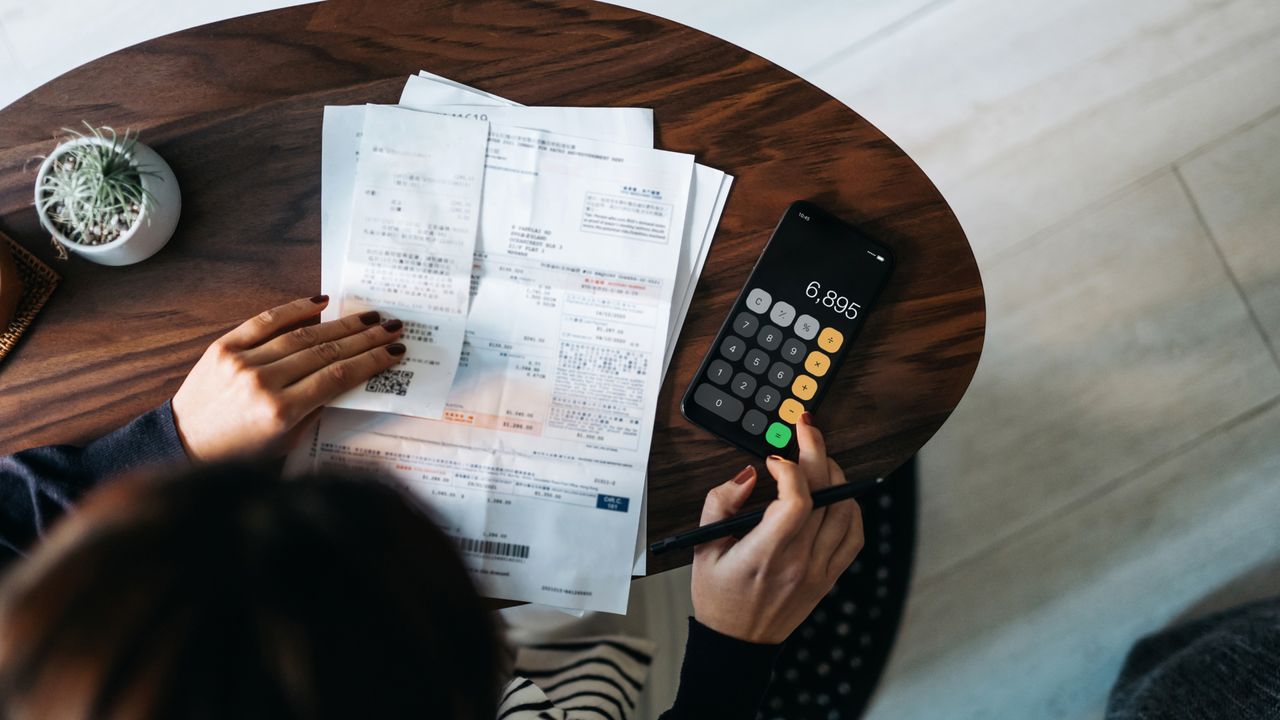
<point>252,390</point>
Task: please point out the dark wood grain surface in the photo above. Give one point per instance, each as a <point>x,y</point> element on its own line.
<point>236,108</point>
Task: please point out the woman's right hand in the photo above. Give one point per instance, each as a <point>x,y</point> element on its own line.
<point>760,588</point>
<point>252,390</point>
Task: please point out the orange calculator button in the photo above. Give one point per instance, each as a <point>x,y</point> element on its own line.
<point>804,387</point>
<point>790,411</point>
<point>830,339</point>
<point>817,363</point>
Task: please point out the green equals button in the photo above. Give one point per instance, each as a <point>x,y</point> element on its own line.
<point>778,435</point>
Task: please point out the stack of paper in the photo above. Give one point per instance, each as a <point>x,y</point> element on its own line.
<point>542,260</point>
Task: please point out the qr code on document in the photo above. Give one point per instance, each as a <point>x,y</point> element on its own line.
<point>390,382</point>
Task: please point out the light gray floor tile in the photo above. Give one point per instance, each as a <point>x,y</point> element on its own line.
<point>1038,627</point>
<point>796,36</point>
<point>1024,113</point>
<point>1236,185</point>
<point>1109,343</point>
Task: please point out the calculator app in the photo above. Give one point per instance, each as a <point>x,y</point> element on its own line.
<point>787,331</point>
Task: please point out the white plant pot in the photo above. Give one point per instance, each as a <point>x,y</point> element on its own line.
<point>154,226</point>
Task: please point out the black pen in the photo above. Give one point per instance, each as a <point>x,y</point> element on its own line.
<point>741,524</point>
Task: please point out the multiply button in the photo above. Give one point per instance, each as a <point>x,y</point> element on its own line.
<point>806,327</point>
<point>782,313</point>
<point>758,301</point>
<point>804,387</point>
<point>830,340</point>
<point>817,364</point>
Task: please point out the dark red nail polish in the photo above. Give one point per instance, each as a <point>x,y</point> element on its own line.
<point>776,457</point>
<point>396,349</point>
<point>370,317</point>
<point>392,325</point>
<point>320,299</point>
<point>743,475</point>
<point>807,419</point>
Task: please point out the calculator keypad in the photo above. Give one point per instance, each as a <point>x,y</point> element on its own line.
<point>769,368</point>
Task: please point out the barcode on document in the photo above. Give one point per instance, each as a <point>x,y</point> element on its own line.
<point>390,382</point>
<point>493,547</point>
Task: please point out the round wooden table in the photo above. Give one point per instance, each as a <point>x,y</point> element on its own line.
<point>236,108</point>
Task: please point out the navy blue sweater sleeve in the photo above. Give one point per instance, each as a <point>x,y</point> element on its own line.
<point>38,485</point>
<point>722,677</point>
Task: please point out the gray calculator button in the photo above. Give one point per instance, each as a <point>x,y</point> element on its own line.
<point>807,327</point>
<point>719,372</point>
<point>793,350</point>
<point>718,402</point>
<point>733,347</point>
<point>746,324</point>
<point>757,362</point>
<point>769,338</point>
<point>782,313</point>
<point>754,422</point>
<point>743,385</point>
<point>781,374</point>
<point>758,301</point>
<point>768,398</point>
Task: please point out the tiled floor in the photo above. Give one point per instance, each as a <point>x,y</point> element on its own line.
<point>1117,168</point>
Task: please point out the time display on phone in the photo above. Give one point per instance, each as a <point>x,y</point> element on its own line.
<point>832,299</point>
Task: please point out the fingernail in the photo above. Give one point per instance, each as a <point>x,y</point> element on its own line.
<point>807,418</point>
<point>396,349</point>
<point>320,299</point>
<point>776,457</point>
<point>370,317</point>
<point>744,475</point>
<point>392,325</point>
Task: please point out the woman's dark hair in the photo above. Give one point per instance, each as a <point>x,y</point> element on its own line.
<point>230,593</point>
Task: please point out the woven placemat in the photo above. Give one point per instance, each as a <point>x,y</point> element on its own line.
<point>38,282</point>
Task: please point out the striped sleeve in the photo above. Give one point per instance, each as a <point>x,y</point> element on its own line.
<point>596,678</point>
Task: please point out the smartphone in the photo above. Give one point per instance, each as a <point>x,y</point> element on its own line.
<point>788,331</point>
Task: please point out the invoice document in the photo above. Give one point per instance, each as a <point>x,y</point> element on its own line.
<point>537,467</point>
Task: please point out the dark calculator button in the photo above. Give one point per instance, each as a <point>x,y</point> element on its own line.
<point>718,402</point>
<point>781,374</point>
<point>733,347</point>
<point>754,422</point>
<point>719,371</point>
<point>768,398</point>
<point>769,338</point>
<point>746,324</point>
<point>756,362</point>
<point>743,385</point>
<point>793,351</point>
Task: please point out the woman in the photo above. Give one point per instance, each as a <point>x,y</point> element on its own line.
<point>229,593</point>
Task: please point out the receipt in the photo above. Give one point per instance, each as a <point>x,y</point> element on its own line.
<point>410,243</point>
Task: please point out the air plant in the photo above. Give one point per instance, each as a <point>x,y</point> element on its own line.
<point>93,191</point>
